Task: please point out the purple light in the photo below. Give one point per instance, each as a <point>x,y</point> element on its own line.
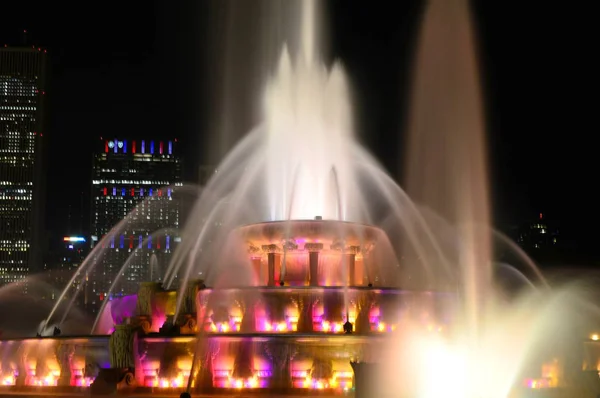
<point>150,242</point>
<point>170,147</point>
<point>140,242</point>
<point>112,242</point>
<point>141,191</point>
<point>116,146</point>
<point>168,242</point>
<point>70,246</point>
<point>169,192</point>
<point>121,241</point>
<point>152,147</point>
<point>143,146</point>
<point>114,191</point>
<point>150,194</point>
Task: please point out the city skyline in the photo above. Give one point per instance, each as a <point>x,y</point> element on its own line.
<point>532,170</point>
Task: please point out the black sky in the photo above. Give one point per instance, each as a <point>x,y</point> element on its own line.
<point>135,68</point>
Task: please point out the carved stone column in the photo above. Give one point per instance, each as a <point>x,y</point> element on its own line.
<point>248,324</point>
<point>305,312</point>
<point>364,302</point>
<point>350,253</point>
<point>273,257</point>
<point>208,351</point>
<point>64,356</point>
<point>281,354</point>
<point>313,262</point>
<point>22,359</point>
<point>256,259</point>
<point>243,365</point>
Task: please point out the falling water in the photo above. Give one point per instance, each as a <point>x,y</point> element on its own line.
<point>153,266</point>
<point>447,168</point>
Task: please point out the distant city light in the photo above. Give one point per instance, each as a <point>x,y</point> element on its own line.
<point>74,239</point>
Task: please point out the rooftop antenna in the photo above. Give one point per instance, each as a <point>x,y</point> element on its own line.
<point>69,221</point>
<point>81,214</point>
<point>24,37</point>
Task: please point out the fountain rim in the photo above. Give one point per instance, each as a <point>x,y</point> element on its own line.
<point>311,221</point>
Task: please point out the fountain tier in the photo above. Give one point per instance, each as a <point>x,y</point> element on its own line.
<point>318,253</point>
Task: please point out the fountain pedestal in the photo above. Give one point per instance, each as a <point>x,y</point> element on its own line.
<point>146,305</point>
<point>281,355</point>
<point>187,321</point>
<point>122,356</point>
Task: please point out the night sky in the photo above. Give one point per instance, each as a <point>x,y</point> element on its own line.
<point>138,69</point>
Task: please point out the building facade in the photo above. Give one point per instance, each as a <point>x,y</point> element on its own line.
<point>63,258</point>
<point>135,215</point>
<point>22,103</point>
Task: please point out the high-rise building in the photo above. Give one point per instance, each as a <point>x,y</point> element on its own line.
<point>538,235</point>
<point>138,178</point>
<point>62,260</point>
<point>22,99</point>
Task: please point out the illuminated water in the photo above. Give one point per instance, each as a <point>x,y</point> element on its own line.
<point>304,161</point>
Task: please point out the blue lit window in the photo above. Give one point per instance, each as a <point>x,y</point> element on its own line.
<point>143,146</point>
<point>150,242</point>
<point>169,192</point>
<point>116,146</point>
<point>150,193</point>
<point>141,191</point>
<point>170,147</point>
<point>168,242</point>
<point>121,241</point>
<point>122,191</point>
<point>114,191</point>
<point>140,240</point>
<point>152,147</point>
<point>112,242</point>
<point>124,146</point>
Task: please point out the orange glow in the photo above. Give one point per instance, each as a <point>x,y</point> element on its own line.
<point>9,380</point>
<point>176,382</point>
<point>251,382</point>
<point>51,379</point>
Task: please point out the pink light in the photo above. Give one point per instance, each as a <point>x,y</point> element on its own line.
<point>84,381</point>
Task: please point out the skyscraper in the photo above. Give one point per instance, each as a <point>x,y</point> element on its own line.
<point>22,94</point>
<point>140,177</point>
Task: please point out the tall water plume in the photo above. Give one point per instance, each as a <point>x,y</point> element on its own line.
<point>447,167</point>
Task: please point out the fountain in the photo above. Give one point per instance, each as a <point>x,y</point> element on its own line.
<point>304,266</point>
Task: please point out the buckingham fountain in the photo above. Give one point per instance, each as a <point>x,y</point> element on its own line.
<point>304,268</point>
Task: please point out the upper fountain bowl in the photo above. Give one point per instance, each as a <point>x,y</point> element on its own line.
<point>318,253</point>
